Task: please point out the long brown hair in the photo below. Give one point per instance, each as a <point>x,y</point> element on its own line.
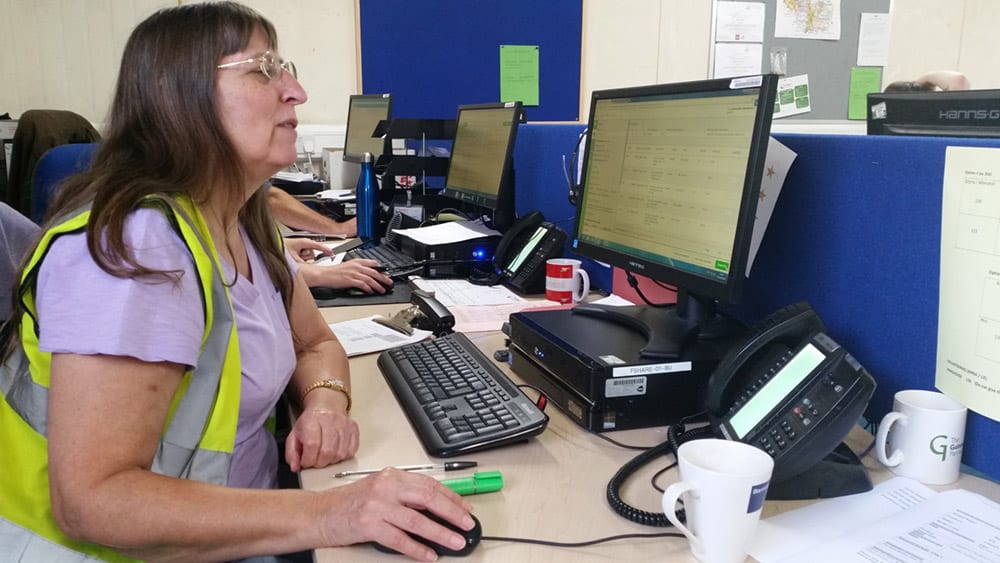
<point>164,135</point>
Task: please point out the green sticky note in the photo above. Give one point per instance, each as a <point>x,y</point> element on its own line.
<point>864,80</point>
<point>519,74</point>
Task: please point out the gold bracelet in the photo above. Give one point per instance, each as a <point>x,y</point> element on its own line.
<point>334,384</point>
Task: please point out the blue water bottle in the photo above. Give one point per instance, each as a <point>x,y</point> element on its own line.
<point>367,200</point>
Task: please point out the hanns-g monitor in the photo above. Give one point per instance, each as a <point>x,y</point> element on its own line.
<point>669,190</point>
<point>960,113</point>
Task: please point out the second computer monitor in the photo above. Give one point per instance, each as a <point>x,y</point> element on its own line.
<point>481,173</point>
<point>364,112</point>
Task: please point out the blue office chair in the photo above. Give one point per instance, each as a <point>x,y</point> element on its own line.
<point>52,168</point>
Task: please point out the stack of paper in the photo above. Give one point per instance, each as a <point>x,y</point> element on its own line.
<point>899,521</point>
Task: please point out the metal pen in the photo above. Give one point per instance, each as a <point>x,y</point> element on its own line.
<point>447,466</point>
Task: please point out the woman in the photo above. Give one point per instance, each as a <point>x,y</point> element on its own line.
<point>162,321</point>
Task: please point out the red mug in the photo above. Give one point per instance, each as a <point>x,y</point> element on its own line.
<point>565,280</point>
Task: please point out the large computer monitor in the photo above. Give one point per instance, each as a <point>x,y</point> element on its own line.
<point>962,113</point>
<point>670,184</point>
<point>480,178</point>
<point>364,112</point>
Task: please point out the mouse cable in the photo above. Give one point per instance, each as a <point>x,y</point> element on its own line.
<point>583,543</point>
<point>656,477</point>
<point>620,444</point>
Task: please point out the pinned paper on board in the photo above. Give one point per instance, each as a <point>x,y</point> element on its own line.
<point>864,81</point>
<point>519,74</point>
<point>793,96</point>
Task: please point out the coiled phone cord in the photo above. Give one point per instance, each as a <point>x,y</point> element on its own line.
<point>676,435</point>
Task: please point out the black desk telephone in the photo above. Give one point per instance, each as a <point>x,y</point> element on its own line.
<point>521,253</point>
<point>791,391</point>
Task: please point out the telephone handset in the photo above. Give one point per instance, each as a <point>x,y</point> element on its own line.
<point>521,254</point>
<point>787,389</point>
<point>790,390</point>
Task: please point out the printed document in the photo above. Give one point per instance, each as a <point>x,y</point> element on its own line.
<point>968,356</point>
<point>899,521</point>
<point>364,336</point>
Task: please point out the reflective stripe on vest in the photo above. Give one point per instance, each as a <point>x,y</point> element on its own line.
<point>200,431</point>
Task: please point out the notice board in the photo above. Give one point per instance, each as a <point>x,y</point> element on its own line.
<point>827,62</point>
<point>434,55</point>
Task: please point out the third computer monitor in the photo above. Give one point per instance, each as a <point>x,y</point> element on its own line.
<point>364,112</point>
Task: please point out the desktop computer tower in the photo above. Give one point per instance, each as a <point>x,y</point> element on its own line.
<point>592,370</point>
<point>453,259</point>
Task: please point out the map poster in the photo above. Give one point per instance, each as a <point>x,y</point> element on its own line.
<point>968,349</point>
<point>807,19</point>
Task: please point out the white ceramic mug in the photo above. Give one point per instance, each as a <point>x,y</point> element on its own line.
<point>565,280</point>
<point>723,484</point>
<point>922,438</point>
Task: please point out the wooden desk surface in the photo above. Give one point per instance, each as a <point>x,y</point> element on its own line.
<point>554,484</point>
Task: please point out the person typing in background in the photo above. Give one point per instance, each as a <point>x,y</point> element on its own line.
<point>299,216</point>
<point>360,273</point>
<point>162,321</point>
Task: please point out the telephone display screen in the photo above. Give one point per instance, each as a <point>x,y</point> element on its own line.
<point>528,249</point>
<point>774,391</point>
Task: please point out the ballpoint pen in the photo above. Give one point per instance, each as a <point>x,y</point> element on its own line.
<point>447,466</point>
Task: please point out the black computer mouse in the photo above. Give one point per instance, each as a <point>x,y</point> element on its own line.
<point>471,538</point>
<point>326,293</point>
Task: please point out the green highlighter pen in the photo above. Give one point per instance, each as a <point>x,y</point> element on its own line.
<point>480,482</point>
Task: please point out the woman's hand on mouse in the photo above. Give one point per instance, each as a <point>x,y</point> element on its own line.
<point>360,273</point>
<point>384,507</point>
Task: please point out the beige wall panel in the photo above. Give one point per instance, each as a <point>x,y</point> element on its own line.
<point>620,46</point>
<point>685,40</point>
<point>926,35</point>
<point>980,47</point>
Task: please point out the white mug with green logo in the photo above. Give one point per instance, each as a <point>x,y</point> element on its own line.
<point>922,437</point>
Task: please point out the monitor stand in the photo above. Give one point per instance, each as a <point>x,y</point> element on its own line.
<point>668,331</point>
<point>839,474</point>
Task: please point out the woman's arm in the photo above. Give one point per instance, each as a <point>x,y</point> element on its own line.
<point>297,215</point>
<point>105,419</point>
<point>323,432</point>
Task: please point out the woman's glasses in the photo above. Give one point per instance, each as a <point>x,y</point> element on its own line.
<point>270,65</point>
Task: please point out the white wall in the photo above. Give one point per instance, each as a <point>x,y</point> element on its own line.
<point>64,54</point>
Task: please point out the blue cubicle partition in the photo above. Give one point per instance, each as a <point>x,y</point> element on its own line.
<point>856,232</point>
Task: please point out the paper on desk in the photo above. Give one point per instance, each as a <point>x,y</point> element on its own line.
<point>336,195</point>
<point>478,318</point>
<point>452,231</point>
<point>889,523</point>
<point>364,336</point>
<point>294,176</point>
<point>451,292</point>
<point>614,301</point>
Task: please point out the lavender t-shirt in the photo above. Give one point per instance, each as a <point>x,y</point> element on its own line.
<point>84,310</point>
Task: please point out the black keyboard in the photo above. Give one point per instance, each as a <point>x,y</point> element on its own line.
<point>396,263</point>
<point>457,399</point>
